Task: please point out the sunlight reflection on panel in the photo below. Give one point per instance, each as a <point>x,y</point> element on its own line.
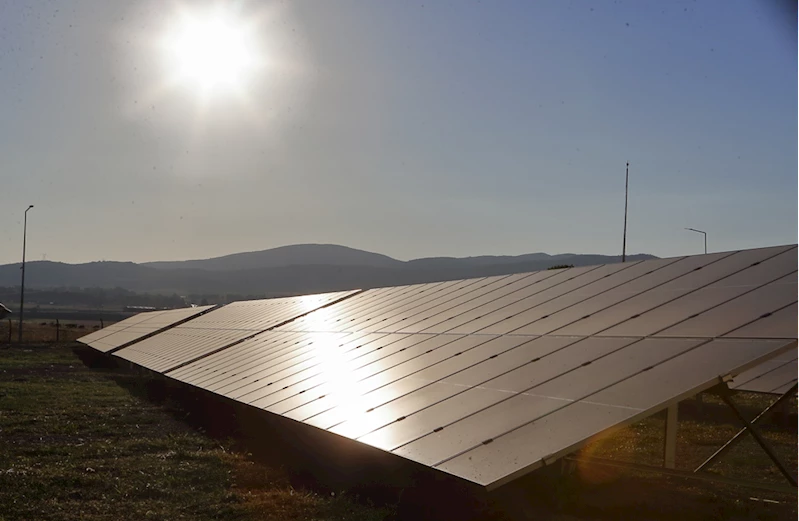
<point>311,302</point>
<point>342,384</point>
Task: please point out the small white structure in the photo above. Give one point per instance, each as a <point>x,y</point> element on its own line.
<point>4,311</point>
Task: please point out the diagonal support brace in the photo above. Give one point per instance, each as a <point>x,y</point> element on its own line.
<point>758,438</point>
<point>727,446</point>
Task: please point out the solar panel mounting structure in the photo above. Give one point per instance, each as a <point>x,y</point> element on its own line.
<point>490,379</point>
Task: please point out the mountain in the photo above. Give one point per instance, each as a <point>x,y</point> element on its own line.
<point>290,270</point>
<point>296,255</point>
<point>335,255</point>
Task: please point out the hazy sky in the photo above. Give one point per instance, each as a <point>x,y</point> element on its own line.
<point>410,129</point>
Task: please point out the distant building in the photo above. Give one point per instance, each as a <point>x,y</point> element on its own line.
<point>4,311</point>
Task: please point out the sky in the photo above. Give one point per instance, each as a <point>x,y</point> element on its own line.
<point>412,129</point>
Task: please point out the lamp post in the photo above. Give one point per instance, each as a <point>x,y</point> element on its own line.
<point>703,233</point>
<point>22,286</point>
<point>624,239</point>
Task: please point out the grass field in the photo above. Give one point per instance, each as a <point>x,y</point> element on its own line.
<point>75,443</point>
<point>46,331</point>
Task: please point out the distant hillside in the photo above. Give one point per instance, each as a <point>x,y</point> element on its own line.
<point>296,255</point>
<point>290,270</point>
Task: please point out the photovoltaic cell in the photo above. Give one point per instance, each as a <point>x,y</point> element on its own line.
<point>773,376</point>
<point>691,303</point>
<point>538,324</point>
<point>523,312</point>
<point>737,312</point>
<point>779,324</point>
<point>485,293</point>
<point>633,308</point>
<point>471,319</point>
<point>384,298</point>
<point>395,320</point>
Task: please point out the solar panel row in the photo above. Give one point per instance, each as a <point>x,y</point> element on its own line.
<point>221,328</point>
<point>490,378</point>
<point>138,326</point>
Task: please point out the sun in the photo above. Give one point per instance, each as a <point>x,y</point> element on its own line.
<point>212,51</point>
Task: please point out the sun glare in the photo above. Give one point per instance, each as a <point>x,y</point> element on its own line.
<point>212,51</point>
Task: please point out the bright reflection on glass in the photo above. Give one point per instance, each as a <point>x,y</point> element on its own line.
<point>341,388</point>
<point>311,302</point>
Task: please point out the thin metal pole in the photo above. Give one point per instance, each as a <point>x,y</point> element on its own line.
<point>727,446</point>
<point>22,287</point>
<point>626,188</point>
<point>759,439</point>
<point>703,233</point>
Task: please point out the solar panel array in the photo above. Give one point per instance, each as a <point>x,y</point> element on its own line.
<point>221,328</point>
<point>488,379</point>
<point>138,326</point>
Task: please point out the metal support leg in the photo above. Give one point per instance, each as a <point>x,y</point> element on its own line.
<point>759,439</point>
<point>670,444</point>
<point>727,446</point>
<point>567,467</point>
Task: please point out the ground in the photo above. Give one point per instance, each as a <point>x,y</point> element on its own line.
<point>80,443</point>
<point>46,330</point>
<point>76,444</point>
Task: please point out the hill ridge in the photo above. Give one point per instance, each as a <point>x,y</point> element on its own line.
<point>295,269</point>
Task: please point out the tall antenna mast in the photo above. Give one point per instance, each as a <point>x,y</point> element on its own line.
<point>626,187</point>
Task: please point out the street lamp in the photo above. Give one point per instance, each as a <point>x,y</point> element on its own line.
<point>626,189</point>
<point>22,288</point>
<point>703,233</point>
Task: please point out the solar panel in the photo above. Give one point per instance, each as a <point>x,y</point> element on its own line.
<point>551,435</point>
<point>779,324</point>
<point>221,327</point>
<point>114,328</point>
<point>685,303</point>
<point>524,311</point>
<point>775,376</point>
<point>488,379</point>
<point>486,388</point>
<point>536,322</point>
<point>383,298</point>
<point>390,319</point>
<point>737,312</point>
<point>139,326</point>
<point>632,309</point>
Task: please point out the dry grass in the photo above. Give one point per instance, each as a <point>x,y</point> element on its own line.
<point>45,331</point>
<point>75,444</point>
<point>699,436</point>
